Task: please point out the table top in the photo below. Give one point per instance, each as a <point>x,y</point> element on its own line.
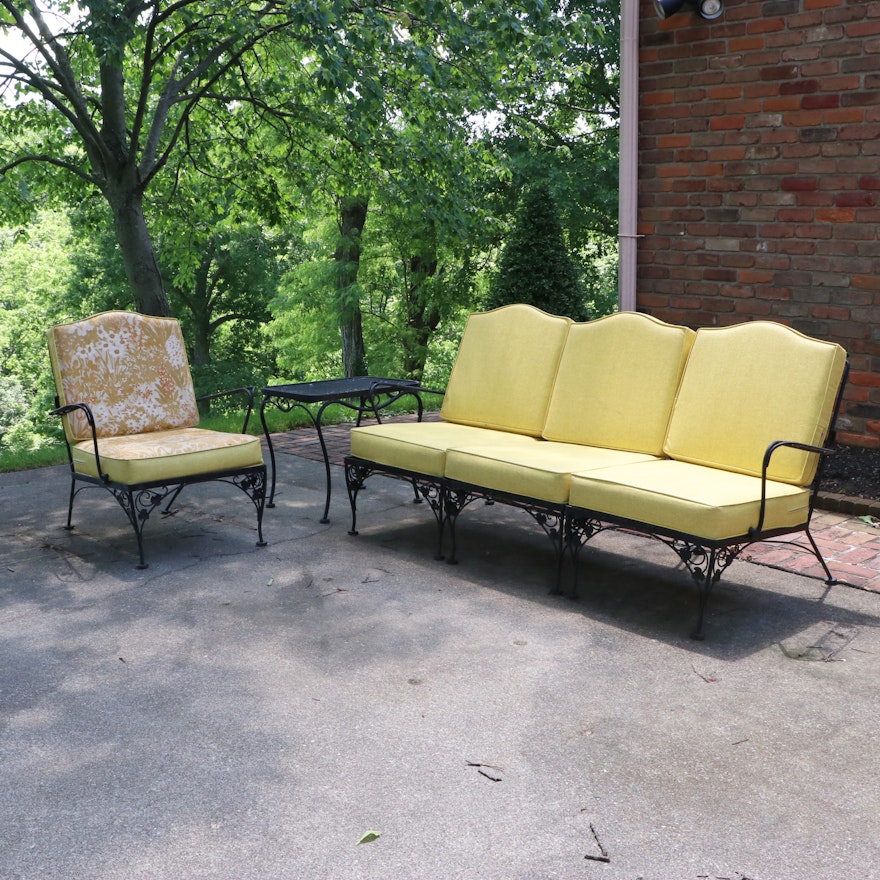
<point>335,389</point>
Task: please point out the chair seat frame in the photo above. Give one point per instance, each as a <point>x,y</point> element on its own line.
<point>139,500</point>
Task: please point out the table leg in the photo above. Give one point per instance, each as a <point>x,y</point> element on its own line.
<point>270,502</point>
<point>316,420</point>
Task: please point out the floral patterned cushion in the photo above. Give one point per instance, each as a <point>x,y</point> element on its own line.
<point>130,369</point>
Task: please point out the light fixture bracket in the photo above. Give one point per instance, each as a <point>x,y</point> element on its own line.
<point>708,9</point>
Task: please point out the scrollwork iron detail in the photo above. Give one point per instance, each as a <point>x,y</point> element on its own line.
<point>706,565</point>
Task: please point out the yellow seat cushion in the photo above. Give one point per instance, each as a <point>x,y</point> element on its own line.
<point>130,369</point>
<point>504,370</point>
<point>616,382</point>
<point>166,455</point>
<point>748,385</point>
<point>706,502</point>
<point>421,446</point>
<point>542,471</point>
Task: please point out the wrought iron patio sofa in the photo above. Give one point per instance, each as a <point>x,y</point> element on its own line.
<point>706,440</point>
<point>130,416</point>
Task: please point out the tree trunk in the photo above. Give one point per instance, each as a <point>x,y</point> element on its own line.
<point>422,317</point>
<point>352,217</point>
<point>199,305</point>
<point>138,254</point>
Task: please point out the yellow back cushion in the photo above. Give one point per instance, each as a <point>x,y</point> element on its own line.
<point>751,384</point>
<point>617,381</point>
<point>504,369</point>
<point>131,369</point>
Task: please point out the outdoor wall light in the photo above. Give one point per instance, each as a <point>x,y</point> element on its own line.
<point>708,9</point>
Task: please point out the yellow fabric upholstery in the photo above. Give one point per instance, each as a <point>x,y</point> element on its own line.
<point>421,446</point>
<point>617,381</point>
<point>708,503</point>
<point>748,385</point>
<point>505,368</point>
<point>541,470</point>
<point>166,455</point>
<point>130,369</point>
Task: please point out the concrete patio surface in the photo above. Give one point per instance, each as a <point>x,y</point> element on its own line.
<point>237,712</point>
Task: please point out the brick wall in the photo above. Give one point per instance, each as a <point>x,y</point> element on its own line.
<point>759,176</point>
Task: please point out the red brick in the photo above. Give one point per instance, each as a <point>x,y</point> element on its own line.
<point>835,215</point>
<point>776,117</point>
<point>844,116</point>
<point>799,184</point>
<point>799,87</point>
<point>866,282</point>
<point>852,439</point>
<point>861,29</point>
<point>820,102</point>
<point>723,123</point>
<point>855,200</point>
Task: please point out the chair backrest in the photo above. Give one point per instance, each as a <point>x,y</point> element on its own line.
<point>504,370</point>
<point>748,385</point>
<point>617,381</point>
<point>130,369</point>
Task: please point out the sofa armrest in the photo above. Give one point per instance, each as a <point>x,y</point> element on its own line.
<point>247,392</point>
<point>755,531</point>
<point>86,409</point>
<point>401,388</point>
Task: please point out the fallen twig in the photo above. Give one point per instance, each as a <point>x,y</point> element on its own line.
<point>478,766</point>
<point>604,857</point>
<point>707,678</point>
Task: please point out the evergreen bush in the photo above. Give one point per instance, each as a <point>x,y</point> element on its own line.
<point>535,266</point>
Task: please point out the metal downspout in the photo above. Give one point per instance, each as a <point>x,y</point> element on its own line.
<point>628,178</point>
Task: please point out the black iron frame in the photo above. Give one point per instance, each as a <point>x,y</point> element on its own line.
<point>705,560</point>
<point>358,470</point>
<point>139,500</point>
<point>364,395</point>
<point>551,517</point>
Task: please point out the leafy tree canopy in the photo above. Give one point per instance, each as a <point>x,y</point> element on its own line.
<point>113,91</point>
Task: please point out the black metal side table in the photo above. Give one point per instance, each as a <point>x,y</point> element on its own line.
<point>366,395</point>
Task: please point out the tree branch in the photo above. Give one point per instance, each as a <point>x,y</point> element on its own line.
<point>47,159</point>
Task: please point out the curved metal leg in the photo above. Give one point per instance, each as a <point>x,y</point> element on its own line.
<point>316,421</point>
<point>355,475</point>
<point>253,484</point>
<point>173,498</point>
<point>830,580</point>
<point>268,436</point>
<point>138,506</point>
<point>706,566</point>
<point>69,525</point>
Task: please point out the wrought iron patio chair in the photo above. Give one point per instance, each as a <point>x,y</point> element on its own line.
<point>130,415</point>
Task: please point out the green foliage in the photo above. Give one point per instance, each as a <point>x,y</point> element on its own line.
<point>34,267</point>
<point>13,406</point>
<point>439,115</point>
<point>535,267</point>
<point>22,457</point>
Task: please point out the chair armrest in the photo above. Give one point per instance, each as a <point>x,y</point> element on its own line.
<point>754,531</point>
<point>86,409</point>
<point>248,392</point>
